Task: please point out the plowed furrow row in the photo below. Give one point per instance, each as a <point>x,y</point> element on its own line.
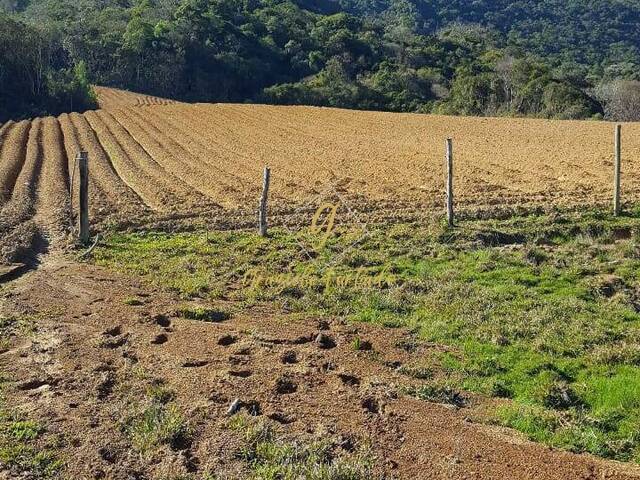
<point>192,170</point>
<point>207,149</point>
<point>20,234</point>
<point>142,145</point>
<point>72,147</point>
<point>109,194</point>
<point>4,129</point>
<point>288,155</point>
<point>135,166</point>
<point>12,153</point>
<point>20,207</point>
<point>229,189</point>
<point>268,137</point>
<point>52,202</point>
<point>214,131</point>
<point>222,132</point>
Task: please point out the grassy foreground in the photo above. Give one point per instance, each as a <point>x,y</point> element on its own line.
<point>539,310</point>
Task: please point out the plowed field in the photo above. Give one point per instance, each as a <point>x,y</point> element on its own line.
<point>154,161</point>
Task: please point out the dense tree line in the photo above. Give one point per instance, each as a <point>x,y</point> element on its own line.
<point>546,58</point>
<point>587,35</point>
<point>37,76</point>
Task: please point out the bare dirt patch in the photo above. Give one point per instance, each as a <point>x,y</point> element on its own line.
<point>89,387</point>
<point>157,163</point>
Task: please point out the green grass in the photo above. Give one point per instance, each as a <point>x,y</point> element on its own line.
<point>159,422</point>
<point>438,392</point>
<point>203,314</point>
<point>133,301</point>
<point>551,324</point>
<point>155,426</point>
<point>270,457</point>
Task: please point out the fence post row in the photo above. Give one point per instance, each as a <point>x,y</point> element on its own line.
<point>616,174</point>
<point>83,166</point>
<point>262,212</point>
<point>449,189</point>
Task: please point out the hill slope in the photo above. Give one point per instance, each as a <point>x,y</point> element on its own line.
<point>523,58</point>
<point>593,34</point>
<point>164,164</point>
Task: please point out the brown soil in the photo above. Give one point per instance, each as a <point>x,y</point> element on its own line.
<point>113,98</point>
<point>161,164</point>
<point>92,356</point>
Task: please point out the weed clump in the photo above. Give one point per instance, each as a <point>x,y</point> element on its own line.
<point>267,455</point>
<point>159,423</point>
<point>204,314</point>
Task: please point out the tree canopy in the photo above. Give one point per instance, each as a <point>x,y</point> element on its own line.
<point>545,58</point>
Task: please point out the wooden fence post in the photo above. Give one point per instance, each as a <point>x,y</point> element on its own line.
<point>449,190</point>
<point>616,175</point>
<point>83,167</point>
<point>262,212</point>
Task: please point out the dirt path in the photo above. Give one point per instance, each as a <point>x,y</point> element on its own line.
<point>93,354</point>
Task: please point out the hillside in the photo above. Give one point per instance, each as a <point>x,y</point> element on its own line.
<point>537,59</point>
<point>178,163</point>
<point>591,35</point>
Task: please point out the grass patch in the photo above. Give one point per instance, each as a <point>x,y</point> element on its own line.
<point>22,448</point>
<point>270,457</point>
<point>157,425</point>
<point>438,392</point>
<point>160,422</point>
<point>133,301</point>
<point>540,309</point>
<point>204,314</point>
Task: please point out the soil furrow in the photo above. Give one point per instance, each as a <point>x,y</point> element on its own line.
<point>135,168</point>
<point>131,140</point>
<point>13,157</point>
<point>19,233</point>
<point>192,170</point>
<point>182,134</point>
<point>4,129</point>
<point>112,194</point>
<point>53,206</point>
<point>20,207</point>
<point>218,132</point>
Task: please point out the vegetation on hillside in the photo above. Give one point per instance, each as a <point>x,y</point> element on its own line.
<point>540,311</point>
<point>37,75</point>
<point>533,58</point>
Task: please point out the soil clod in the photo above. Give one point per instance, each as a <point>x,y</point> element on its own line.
<point>289,357</point>
<point>371,405</point>
<point>325,341</point>
<point>227,340</point>
<point>113,331</point>
<point>350,380</point>
<point>285,386</point>
<point>162,320</point>
<point>195,363</point>
<point>160,339</point>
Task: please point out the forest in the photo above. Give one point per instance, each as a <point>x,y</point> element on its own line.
<point>551,59</point>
